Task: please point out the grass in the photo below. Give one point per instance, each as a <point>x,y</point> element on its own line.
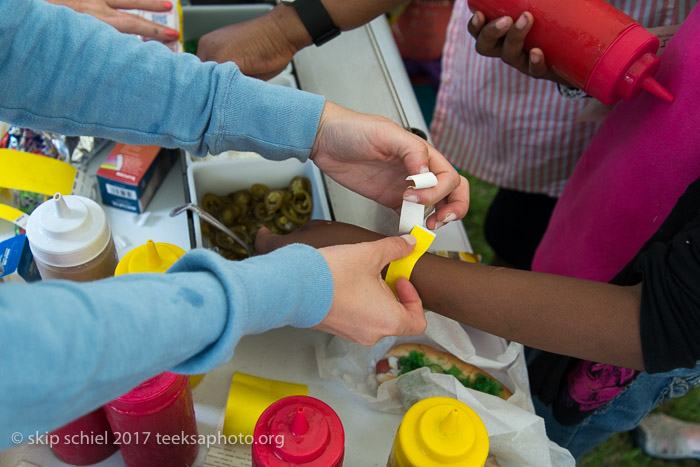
<point>480,195</point>
<point>620,450</point>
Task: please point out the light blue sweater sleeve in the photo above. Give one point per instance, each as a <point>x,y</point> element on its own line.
<point>67,348</point>
<point>70,73</point>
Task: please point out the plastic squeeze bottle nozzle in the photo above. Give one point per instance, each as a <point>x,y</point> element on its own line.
<point>590,43</point>
<point>298,431</point>
<point>440,431</point>
<point>150,257</point>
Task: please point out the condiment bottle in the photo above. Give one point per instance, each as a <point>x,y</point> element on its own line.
<point>590,43</point>
<point>440,431</point>
<point>155,423</point>
<point>298,431</point>
<point>153,257</point>
<point>84,441</point>
<point>70,239</point>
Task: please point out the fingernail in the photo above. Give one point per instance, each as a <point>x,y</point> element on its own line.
<point>424,170</point>
<point>475,20</point>
<point>449,218</point>
<point>522,22</point>
<point>168,5</point>
<point>535,58</point>
<point>410,239</point>
<point>503,23</point>
<point>411,198</point>
<point>172,33</point>
<point>438,225</point>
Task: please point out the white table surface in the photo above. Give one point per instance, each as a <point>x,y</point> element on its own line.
<point>285,354</point>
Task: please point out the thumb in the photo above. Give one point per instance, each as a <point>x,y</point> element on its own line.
<point>264,240</point>
<point>393,248</point>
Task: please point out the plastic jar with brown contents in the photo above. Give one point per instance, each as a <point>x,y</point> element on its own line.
<point>70,239</point>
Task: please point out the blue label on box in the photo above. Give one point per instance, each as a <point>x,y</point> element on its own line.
<point>15,255</point>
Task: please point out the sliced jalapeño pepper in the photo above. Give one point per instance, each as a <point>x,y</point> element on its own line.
<point>258,191</point>
<point>261,213</point>
<point>300,184</point>
<point>273,200</point>
<point>293,216</point>
<point>302,203</point>
<point>212,204</point>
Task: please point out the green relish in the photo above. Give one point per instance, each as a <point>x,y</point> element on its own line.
<point>480,382</point>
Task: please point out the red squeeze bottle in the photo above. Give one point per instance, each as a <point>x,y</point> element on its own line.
<point>590,43</point>
<point>85,441</point>
<point>154,423</point>
<point>298,431</point>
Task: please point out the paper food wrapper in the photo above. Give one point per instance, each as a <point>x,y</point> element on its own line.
<point>516,435</point>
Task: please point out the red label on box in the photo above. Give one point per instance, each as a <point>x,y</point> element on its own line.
<point>128,163</point>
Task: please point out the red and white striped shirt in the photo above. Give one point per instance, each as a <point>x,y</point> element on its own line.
<point>504,127</point>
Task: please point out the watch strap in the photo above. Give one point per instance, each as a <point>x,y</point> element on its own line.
<point>317,21</point>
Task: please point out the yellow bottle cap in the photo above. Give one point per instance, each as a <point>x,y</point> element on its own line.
<point>195,380</point>
<point>151,257</point>
<point>249,396</point>
<point>440,431</point>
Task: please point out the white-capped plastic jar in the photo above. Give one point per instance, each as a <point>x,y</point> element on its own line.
<point>70,239</point>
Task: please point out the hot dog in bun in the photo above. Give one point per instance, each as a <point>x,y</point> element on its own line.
<point>407,357</point>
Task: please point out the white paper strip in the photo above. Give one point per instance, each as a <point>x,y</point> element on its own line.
<point>424,180</point>
<point>413,214</point>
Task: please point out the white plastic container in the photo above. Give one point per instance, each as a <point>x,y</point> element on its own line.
<point>226,176</point>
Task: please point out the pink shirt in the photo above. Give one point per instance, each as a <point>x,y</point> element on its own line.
<point>642,159</point>
<point>504,127</point>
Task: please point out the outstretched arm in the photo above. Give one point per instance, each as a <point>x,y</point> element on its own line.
<point>263,47</point>
<point>70,347</point>
<point>584,319</point>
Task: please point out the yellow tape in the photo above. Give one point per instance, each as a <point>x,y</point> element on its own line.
<point>404,266</point>
<point>35,173</point>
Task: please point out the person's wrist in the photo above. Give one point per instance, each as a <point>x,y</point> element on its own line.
<point>288,26</point>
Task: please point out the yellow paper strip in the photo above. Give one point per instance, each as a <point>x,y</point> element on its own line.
<point>404,266</point>
<point>35,173</point>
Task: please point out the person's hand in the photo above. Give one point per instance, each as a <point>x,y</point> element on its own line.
<point>372,156</point>
<point>108,11</point>
<point>505,39</point>
<point>364,309</point>
<point>261,47</point>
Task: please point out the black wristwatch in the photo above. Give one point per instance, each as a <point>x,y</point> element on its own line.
<point>316,20</point>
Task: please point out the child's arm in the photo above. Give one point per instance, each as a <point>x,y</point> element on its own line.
<point>584,319</point>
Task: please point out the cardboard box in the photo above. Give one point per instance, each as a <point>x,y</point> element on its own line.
<point>130,175</point>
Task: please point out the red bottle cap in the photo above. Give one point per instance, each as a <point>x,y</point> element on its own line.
<point>298,430</point>
<point>627,67</point>
<point>151,395</point>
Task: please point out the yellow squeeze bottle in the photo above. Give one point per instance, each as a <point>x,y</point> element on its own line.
<point>153,257</point>
<point>440,432</point>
